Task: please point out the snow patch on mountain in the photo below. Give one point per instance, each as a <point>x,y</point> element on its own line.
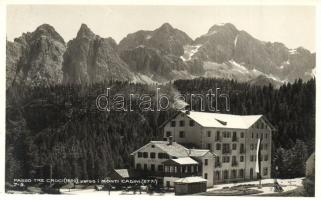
<point>142,78</point>
<point>235,40</point>
<point>189,51</point>
<point>312,73</point>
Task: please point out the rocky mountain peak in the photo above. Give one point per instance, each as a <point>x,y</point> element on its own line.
<point>85,32</point>
<point>46,30</point>
<point>166,27</point>
<point>35,58</point>
<point>223,27</point>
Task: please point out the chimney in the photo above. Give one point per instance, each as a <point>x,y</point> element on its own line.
<point>170,140</point>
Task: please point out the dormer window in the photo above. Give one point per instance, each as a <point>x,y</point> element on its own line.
<point>173,123</point>
<point>181,123</point>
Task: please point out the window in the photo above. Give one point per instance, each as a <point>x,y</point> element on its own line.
<point>168,134</point>
<point>205,162</point>
<point>241,173</point>
<point>153,146</point>
<point>234,136</point>
<point>234,146</point>
<point>152,167</point>
<point>209,146</point>
<point>208,133</point>
<point>233,173</point>
<point>242,134</point>
<point>205,175</point>
<point>138,166</point>
<point>181,134</point>
<point>226,159</point>
<point>265,171</point>
<point>234,163</point>
<point>217,137</point>
<point>241,158</point>
<point>252,146</point>
<point>145,167</point>
<point>252,158</point>
<point>228,134</point>
<point>257,135</point>
<point>173,123</point>
<point>266,157</point>
<point>252,135</point>
<point>242,149</point>
<point>160,168</point>
<point>191,123</point>
<point>160,155</point>
<point>181,123</point>
<point>218,146</point>
<point>152,155</point>
<point>226,148</point>
<point>266,135</point>
<point>145,154</point>
<point>140,154</point>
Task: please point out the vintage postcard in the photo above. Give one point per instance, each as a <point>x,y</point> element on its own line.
<point>160,100</point>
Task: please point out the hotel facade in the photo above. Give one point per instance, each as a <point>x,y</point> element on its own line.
<point>233,139</point>
<point>219,148</point>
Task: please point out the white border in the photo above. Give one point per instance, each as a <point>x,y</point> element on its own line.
<point>3,4</point>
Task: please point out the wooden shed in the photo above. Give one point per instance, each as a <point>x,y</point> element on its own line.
<point>190,185</point>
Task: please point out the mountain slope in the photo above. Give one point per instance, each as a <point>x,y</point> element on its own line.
<point>90,58</point>
<point>35,58</point>
<point>224,43</point>
<point>156,54</point>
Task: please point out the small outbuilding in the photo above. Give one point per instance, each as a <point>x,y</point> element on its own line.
<point>190,185</point>
<point>119,174</point>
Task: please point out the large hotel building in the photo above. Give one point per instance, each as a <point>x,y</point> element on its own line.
<point>229,140</point>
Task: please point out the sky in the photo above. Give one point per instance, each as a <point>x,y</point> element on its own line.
<point>292,25</point>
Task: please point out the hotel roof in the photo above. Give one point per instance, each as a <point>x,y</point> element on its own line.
<point>174,149</point>
<point>220,120</point>
<point>192,179</point>
<point>185,161</point>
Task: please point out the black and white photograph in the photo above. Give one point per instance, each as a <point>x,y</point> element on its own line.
<point>160,100</point>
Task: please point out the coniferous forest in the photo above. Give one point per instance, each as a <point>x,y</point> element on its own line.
<point>60,127</point>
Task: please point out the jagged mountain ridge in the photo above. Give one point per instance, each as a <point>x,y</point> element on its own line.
<point>35,58</point>
<point>90,58</point>
<point>224,43</point>
<point>157,56</point>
